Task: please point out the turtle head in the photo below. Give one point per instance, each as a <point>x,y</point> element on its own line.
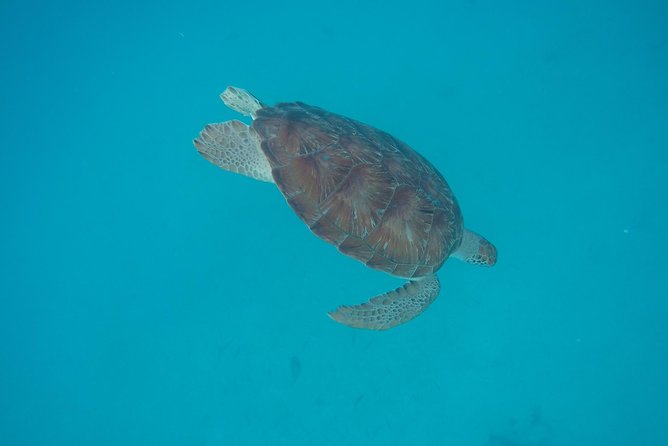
<point>475,249</point>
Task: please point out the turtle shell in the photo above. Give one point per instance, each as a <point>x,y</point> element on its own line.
<point>360,189</point>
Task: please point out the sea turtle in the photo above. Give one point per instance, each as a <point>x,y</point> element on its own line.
<point>356,187</point>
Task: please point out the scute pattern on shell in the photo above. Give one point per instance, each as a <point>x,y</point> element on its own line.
<point>361,189</point>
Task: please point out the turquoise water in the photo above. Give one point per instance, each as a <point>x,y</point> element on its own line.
<point>147,297</point>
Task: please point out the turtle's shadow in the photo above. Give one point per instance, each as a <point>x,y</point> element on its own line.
<point>534,431</point>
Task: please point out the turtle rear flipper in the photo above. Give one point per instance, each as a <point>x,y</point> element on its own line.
<point>241,101</point>
<point>234,146</point>
<point>392,308</point>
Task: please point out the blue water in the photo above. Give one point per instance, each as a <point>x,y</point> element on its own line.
<point>149,298</point>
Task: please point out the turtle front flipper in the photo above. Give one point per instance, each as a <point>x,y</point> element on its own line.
<point>392,308</point>
<point>234,146</point>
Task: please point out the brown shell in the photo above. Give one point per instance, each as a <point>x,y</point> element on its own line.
<point>360,189</point>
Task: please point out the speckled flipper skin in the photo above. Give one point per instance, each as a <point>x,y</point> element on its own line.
<point>234,146</point>
<point>392,308</point>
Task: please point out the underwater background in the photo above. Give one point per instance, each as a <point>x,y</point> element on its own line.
<point>148,297</point>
